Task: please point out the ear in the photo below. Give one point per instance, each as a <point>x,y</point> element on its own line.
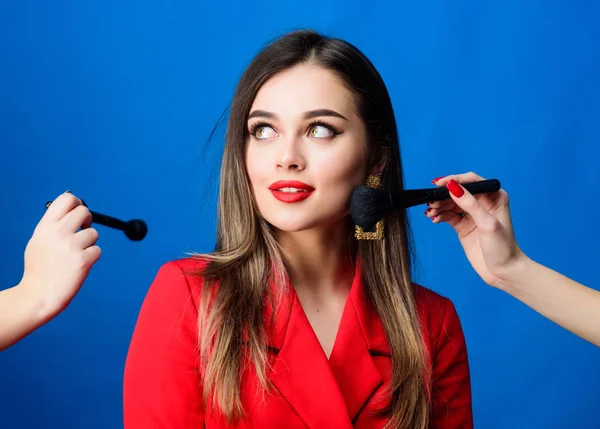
<point>381,162</point>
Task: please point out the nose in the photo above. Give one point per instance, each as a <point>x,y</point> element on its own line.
<point>291,155</point>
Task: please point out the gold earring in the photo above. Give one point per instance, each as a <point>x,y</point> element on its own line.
<point>373,181</point>
<point>359,233</point>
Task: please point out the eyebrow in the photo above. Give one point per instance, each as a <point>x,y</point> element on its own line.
<point>308,115</point>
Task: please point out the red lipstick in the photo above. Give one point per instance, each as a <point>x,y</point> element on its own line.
<point>291,191</point>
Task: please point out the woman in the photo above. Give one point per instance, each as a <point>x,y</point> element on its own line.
<point>293,322</point>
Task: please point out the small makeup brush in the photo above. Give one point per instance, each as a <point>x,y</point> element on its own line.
<point>370,205</point>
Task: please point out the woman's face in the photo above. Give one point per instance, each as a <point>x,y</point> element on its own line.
<point>307,149</point>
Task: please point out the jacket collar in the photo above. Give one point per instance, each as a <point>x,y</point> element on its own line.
<point>371,328</point>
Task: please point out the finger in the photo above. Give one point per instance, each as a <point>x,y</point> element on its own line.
<point>76,218</point>
<point>62,205</point>
<point>85,238</point>
<point>448,204</point>
<point>460,178</point>
<point>449,217</point>
<point>433,213</point>
<point>91,255</point>
<point>87,222</point>
<point>486,200</point>
<point>466,201</point>
<point>440,206</point>
<point>436,204</point>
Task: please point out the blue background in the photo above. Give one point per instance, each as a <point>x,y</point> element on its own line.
<point>115,101</point>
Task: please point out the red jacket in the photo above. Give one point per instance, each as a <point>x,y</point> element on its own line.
<point>162,387</point>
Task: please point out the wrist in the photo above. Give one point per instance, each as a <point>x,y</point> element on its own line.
<point>34,304</point>
<point>516,274</point>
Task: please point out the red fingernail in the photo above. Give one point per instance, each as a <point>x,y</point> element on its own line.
<point>427,211</point>
<point>455,188</point>
<point>437,178</point>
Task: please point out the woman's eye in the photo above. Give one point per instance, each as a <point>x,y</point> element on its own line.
<point>264,132</point>
<point>319,131</point>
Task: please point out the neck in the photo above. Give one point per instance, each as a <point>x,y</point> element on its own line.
<point>319,259</point>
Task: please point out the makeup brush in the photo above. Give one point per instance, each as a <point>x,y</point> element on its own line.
<point>370,205</point>
<point>134,229</point>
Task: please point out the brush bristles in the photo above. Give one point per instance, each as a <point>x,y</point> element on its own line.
<point>368,206</point>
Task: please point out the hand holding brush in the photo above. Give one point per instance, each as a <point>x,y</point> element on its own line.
<point>370,205</point>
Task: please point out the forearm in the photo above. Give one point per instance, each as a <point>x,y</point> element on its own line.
<point>571,305</point>
<point>20,314</point>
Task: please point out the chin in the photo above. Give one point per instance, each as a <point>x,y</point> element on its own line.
<point>291,227</point>
<point>303,223</point>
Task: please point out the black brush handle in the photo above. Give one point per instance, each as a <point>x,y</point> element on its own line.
<point>102,219</point>
<point>481,187</point>
<point>135,229</point>
<point>410,198</point>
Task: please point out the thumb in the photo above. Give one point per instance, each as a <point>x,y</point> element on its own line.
<point>466,201</point>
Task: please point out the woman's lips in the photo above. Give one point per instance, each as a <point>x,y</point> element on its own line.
<point>291,191</point>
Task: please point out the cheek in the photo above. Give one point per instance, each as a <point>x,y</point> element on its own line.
<point>256,165</point>
<point>345,171</point>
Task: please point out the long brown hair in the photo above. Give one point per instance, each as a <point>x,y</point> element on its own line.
<point>247,255</point>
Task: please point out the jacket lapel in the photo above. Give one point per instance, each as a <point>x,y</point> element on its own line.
<point>359,335</point>
<point>301,371</point>
<point>326,393</point>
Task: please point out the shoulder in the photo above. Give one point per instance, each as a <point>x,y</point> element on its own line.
<point>437,313</point>
<point>169,310</point>
<point>184,270</point>
<point>429,301</point>
<point>160,380</point>
<point>449,361</point>
<point>176,283</point>
<point>189,267</point>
